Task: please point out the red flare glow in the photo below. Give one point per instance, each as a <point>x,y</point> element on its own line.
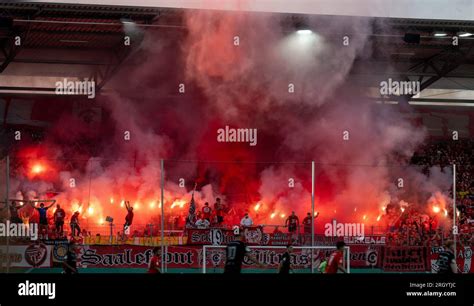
<point>257,207</point>
<point>37,169</point>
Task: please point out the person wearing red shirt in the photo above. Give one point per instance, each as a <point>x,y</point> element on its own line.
<point>206,212</point>
<point>465,228</point>
<point>59,216</point>
<point>335,259</point>
<point>154,266</point>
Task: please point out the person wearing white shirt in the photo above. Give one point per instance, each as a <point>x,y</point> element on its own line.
<point>202,223</point>
<point>246,221</point>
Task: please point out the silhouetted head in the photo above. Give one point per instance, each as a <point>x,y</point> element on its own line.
<point>340,245</point>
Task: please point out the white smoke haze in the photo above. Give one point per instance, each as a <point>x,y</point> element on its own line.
<point>278,198</point>
<point>319,70</point>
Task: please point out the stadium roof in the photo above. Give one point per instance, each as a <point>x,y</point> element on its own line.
<point>419,9</point>
<point>76,40</point>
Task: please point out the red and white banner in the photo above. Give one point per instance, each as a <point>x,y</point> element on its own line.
<point>131,256</point>
<point>256,236</point>
<point>124,256</point>
<point>463,260</point>
<point>400,259</point>
<point>34,255</point>
<point>365,256</point>
<point>215,236</point>
<point>99,256</point>
<point>218,236</point>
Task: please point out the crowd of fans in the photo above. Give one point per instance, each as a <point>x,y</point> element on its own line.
<point>404,225</point>
<point>447,153</point>
<point>414,228</point>
<point>419,228</point>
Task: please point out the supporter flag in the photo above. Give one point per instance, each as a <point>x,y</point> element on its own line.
<point>192,209</point>
<point>192,206</point>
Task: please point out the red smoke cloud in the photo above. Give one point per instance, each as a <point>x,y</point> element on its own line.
<point>242,86</point>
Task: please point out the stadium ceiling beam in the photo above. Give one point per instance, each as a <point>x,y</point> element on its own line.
<point>84,33</point>
<point>59,62</point>
<point>429,25</point>
<point>443,100</point>
<point>435,67</point>
<point>85,9</point>
<point>412,74</point>
<point>9,51</point>
<point>102,75</point>
<point>68,48</point>
<point>26,89</point>
<point>386,61</point>
<point>442,64</point>
<point>388,99</point>
<point>101,13</point>
<point>398,68</point>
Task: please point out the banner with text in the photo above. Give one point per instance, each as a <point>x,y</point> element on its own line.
<point>405,259</point>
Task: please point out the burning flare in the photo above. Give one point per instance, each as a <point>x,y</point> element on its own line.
<point>37,168</point>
